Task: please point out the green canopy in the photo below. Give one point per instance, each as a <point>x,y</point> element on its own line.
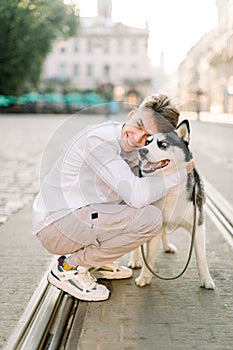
<point>6,101</point>
<point>92,98</point>
<point>53,98</point>
<point>73,98</point>
<point>30,97</point>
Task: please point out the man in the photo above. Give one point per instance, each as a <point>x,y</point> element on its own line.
<point>93,208</point>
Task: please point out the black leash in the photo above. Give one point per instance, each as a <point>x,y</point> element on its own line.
<point>190,249</point>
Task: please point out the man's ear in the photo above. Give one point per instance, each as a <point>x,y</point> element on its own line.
<point>132,112</point>
<point>183,130</point>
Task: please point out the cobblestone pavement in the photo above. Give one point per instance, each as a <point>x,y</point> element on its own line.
<point>166,315</point>
<point>25,142</point>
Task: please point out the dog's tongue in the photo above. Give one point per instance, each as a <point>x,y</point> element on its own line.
<point>153,166</point>
<point>159,165</point>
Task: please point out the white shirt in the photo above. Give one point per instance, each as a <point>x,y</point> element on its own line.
<point>91,170</point>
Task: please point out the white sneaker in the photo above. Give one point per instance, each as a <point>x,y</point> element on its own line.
<point>78,283</point>
<point>112,271</point>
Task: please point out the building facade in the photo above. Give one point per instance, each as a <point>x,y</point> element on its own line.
<point>104,53</point>
<point>206,74</point>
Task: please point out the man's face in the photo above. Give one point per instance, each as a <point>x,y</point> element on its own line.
<point>139,126</point>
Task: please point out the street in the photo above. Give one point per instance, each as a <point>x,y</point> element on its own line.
<point>29,143</point>
<point>212,147</point>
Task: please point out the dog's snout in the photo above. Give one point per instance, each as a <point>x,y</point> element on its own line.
<point>143,152</point>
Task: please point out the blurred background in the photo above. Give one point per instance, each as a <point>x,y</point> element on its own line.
<point>66,64</point>
<point>62,56</point>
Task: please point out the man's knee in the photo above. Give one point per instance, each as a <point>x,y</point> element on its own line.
<point>155,216</point>
<point>151,219</point>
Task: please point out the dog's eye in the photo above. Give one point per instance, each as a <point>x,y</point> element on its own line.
<point>162,144</point>
<point>149,140</point>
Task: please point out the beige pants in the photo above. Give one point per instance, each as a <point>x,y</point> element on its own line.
<point>102,233</point>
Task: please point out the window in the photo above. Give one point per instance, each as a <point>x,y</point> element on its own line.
<point>89,47</point>
<point>62,71</point>
<point>120,48</point>
<point>89,70</point>
<point>133,48</point>
<point>62,45</point>
<point>119,71</point>
<point>133,72</point>
<point>106,70</point>
<point>106,47</point>
<point>76,46</point>
<point>75,70</point>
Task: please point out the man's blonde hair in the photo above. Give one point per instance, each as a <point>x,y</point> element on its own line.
<point>163,109</point>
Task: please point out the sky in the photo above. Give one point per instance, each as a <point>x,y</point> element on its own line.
<point>174,25</point>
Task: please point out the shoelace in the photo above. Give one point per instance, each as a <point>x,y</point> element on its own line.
<point>86,279</point>
<point>82,276</point>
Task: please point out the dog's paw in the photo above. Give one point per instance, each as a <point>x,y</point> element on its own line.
<point>134,264</point>
<point>142,281</point>
<point>207,283</point>
<point>170,249</point>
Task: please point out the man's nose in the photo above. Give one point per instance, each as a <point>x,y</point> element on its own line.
<point>139,138</point>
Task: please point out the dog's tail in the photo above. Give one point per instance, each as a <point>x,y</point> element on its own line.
<point>194,179</point>
<point>200,195</point>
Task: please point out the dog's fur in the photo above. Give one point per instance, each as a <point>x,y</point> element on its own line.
<point>164,154</point>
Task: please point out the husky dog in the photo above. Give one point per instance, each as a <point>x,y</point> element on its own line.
<point>163,154</point>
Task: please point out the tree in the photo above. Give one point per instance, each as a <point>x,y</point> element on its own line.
<point>28,29</point>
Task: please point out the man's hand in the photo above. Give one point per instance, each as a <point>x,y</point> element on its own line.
<point>190,166</point>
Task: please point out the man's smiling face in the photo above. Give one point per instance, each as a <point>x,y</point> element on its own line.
<point>140,124</point>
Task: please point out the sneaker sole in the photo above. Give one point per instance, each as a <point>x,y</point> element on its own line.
<point>110,275</point>
<point>63,286</point>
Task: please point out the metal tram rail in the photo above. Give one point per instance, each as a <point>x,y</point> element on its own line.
<point>53,320</point>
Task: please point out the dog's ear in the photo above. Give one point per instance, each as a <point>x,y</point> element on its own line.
<point>183,130</point>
